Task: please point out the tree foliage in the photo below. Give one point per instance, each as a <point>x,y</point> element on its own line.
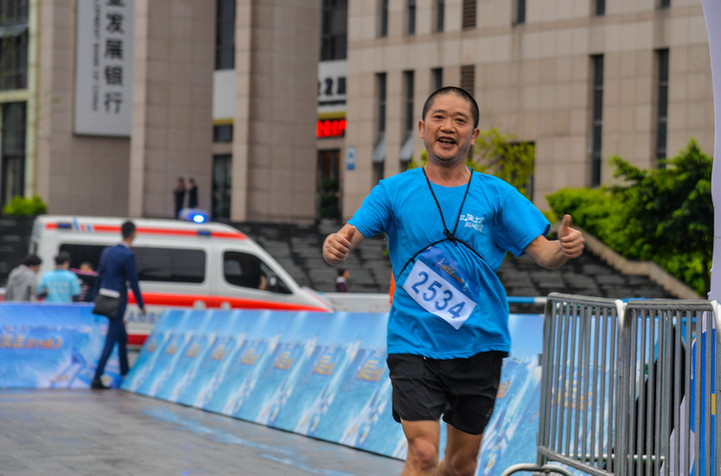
<point>499,155</point>
<point>663,214</point>
<point>503,157</point>
<point>25,206</point>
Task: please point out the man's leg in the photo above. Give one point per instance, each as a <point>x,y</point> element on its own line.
<point>123,349</point>
<point>461,455</point>
<point>110,339</point>
<point>423,442</point>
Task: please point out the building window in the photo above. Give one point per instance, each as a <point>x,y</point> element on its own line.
<point>520,13</point>
<point>437,78</point>
<point>378,172</point>
<point>223,133</point>
<point>13,150</point>
<point>379,150</point>
<point>222,186</point>
<point>328,195</point>
<point>382,96</point>
<point>469,14</point>
<point>334,30</point>
<point>596,118</point>
<point>13,12</point>
<point>440,15</point>
<point>409,77</point>
<point>411,20</point>
<point>664,3</point>
<point>406,154</point>
<point>225,34</point>
<point>599,8</point>
<point>661,107</point>
<point>13,44</point>
<point>383,19</point>
<point>468,78</point>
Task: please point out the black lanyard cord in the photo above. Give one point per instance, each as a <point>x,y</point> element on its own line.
<point>449,234</point>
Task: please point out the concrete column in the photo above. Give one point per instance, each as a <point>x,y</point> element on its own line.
<point>274,149</point>
<point>173,96</point>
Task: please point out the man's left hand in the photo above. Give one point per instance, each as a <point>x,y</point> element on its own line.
<point>572,241</point>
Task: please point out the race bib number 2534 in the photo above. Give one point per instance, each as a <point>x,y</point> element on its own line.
<point>437,296</point>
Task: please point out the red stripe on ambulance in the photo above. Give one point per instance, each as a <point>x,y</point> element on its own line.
<point>217,302</point>
<point>234,235</point>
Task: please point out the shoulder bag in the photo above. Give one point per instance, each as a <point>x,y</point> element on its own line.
<point>107,302</point>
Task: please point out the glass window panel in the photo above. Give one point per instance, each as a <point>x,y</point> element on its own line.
<point>225,35</point>
<point>223,133</point>
<point>520,12</point>
<point>248,271</point>
<point>222,190</point>
<point>440,15</point>
<point>170,264</point>
<point>411,21</point>
<point>383,19</point>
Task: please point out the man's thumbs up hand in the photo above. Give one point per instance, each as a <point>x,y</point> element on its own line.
<point>337,246</point>
<point>572,242</point>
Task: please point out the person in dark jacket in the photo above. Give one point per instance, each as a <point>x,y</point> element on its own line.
<point>87,277</point>
<point>179,196</point>
<point>117,269</point>
<point>192,193</point>
<point>341,282</point>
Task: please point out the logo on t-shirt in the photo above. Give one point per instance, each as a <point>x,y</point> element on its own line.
<point>471,221</point>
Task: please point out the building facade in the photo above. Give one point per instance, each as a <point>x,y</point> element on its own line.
<point>583,80</point>
<point>105,103</point>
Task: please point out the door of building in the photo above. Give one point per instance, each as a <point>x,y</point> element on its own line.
<point>328,195</point>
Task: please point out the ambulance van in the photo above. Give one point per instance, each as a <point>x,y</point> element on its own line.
<point>181,264</point>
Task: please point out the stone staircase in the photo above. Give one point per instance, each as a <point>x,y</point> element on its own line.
<point>298,249</point>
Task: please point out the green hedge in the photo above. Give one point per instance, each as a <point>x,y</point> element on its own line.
<point>25,206</point>
<point>663,214</point>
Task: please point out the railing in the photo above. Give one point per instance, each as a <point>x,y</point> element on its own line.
<point>380,302</point>
<point>629,388</point>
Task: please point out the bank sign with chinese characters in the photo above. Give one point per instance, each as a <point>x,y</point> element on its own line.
<point>331,99</point>
<point>104,67</point>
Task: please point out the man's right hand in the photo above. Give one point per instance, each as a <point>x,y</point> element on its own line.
<point>337,246</point>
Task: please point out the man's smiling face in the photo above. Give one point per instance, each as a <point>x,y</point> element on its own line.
<point>447,130</point>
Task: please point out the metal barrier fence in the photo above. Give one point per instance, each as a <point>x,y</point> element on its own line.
<point>629,388</point>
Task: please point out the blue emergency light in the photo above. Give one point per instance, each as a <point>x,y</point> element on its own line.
<point>193,214</point>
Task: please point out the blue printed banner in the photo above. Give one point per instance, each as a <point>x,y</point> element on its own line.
<point>322,375</point>
<point>52,345</point>
<point>318,374</point>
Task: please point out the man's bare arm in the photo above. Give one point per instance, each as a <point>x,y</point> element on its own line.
<point>552,254</point>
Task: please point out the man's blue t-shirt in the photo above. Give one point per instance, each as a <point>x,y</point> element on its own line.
<point>60,285</point>
<point>464,289</point>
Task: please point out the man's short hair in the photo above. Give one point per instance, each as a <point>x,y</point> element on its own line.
<point>32,260</point>
<point>127,229</point>
<point>62,258</point>
<point>458,92</point>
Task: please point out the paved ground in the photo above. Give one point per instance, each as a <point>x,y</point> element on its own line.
<point>84,432</point>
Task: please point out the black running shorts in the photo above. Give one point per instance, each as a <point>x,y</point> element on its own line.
<point>463,391</point>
